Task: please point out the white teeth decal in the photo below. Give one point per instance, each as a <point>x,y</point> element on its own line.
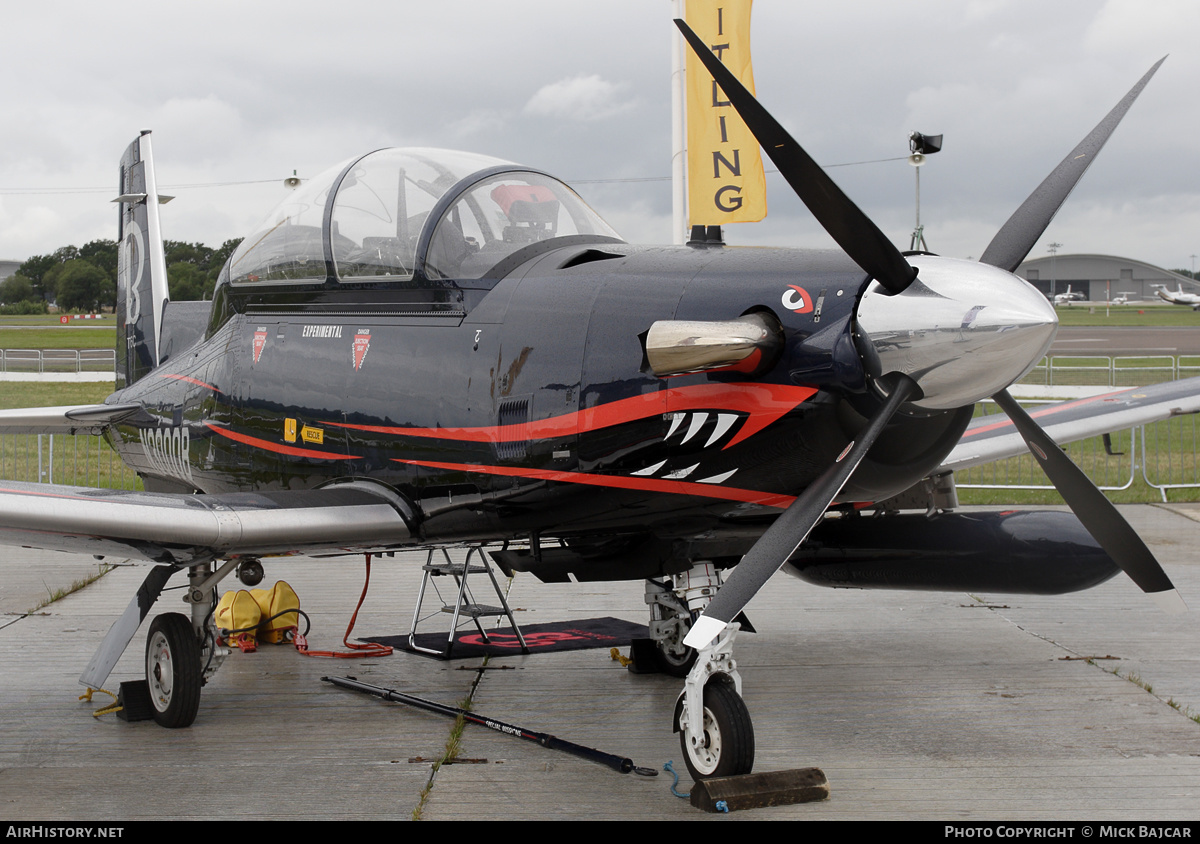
<point>724,423</point>
<point>698,420</point>
<point>650,470</point>
<point>676,419</point>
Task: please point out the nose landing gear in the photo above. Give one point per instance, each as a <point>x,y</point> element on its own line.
<point>715,731</point>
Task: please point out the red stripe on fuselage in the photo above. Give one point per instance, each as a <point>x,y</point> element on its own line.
<point>190,381</point>
<point>752,496</point>
<point>764,403</point>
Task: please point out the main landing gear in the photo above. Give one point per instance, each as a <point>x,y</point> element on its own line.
<point>182,653</point>
<point>716,735</point>
<point>181,649</point>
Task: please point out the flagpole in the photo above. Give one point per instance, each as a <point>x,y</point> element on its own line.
<point>678,132</point>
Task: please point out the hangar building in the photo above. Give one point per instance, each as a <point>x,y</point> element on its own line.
<point>1101,277</point>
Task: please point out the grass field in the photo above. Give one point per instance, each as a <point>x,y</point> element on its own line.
<point>1151,316</point>
<point>51,393</point>
<point>71,336</point>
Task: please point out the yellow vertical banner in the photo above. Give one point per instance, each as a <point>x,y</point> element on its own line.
<point>725,173</point>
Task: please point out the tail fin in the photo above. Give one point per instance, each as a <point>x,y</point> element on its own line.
<point>141,265</point>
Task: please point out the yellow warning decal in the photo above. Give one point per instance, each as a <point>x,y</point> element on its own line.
<point>289,430</point>
<point>312,435</point>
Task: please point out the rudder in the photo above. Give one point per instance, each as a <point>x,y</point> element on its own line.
<point>141,265</point>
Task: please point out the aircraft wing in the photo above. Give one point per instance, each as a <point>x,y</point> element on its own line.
<point>181,529</point>
<point>991,438</point>
<point>67,419</point>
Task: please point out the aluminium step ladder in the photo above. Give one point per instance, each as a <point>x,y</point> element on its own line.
<point>464,603</point>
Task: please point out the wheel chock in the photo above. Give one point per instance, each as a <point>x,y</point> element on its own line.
<point>134,699</point>
<point>645,659</point>
<point>756,791</point>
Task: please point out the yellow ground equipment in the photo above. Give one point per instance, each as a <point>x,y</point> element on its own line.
<point>269,615</point>
<point>237,618</point>
<point>279,619</point>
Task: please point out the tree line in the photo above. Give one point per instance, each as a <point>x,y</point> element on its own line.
<point>85,278</point>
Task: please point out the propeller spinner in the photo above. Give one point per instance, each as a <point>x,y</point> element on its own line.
<point>947,333</point>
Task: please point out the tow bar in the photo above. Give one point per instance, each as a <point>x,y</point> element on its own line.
<point>618,763</point>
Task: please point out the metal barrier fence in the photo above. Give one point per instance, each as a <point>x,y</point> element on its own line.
<point>58,360</point>
<point>1164,453</point>
<point>80,460</point>
<point>1105,371</point>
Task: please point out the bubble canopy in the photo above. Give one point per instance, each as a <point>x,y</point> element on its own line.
<point>413,215</point>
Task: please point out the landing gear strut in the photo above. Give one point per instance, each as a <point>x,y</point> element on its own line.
<point>671,611</point>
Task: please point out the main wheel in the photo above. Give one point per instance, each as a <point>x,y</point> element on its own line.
<point>173,670</point>
<point>727,747</point>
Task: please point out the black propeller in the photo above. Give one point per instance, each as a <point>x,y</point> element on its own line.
<point>1102,520</point>
<point>787,532</point>
<point>1017,236</point>
<point>853,230</point>
<point>1006,251</point>
<point>870,249</point>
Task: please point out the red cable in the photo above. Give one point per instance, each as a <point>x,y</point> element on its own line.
<point>359,649</point>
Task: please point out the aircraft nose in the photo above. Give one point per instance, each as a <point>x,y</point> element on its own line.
<point>962,330</point>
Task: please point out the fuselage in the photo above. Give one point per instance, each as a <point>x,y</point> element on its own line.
<point>467,337</point>
<point>525,405</point>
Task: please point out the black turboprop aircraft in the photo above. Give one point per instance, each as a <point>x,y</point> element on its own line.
<point>425,348</point>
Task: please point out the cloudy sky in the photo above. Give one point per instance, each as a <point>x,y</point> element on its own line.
<point>248,92</point>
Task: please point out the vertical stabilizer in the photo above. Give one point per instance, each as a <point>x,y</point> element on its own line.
<point>141,265</point>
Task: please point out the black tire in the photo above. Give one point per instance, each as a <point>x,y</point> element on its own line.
<point>673,662</point>
<point>728,746</point>
<point>173,670</point>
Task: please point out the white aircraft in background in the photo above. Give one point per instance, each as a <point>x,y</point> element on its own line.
<point>1121,298</point>
<point>1066,298</point>
<point>1178,297</point>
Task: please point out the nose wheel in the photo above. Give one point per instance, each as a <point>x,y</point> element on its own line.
<point>173,670</point>
<point>725,746</point>
<point>715,731</point>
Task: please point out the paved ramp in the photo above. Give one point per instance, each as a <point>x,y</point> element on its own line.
<point>917,706</point>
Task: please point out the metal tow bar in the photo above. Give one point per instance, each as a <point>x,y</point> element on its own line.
<point>609,760</point>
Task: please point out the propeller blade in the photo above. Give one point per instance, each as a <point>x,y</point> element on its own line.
<point>853,230</point>
<point>781,540</point>
<point>1094,510</point>
<point>1018,236</point>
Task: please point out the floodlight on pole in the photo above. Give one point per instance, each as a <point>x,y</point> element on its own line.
<point>1053,248</point>
<point>920,146</point>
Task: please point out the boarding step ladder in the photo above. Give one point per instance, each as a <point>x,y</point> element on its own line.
<point>464,603</point>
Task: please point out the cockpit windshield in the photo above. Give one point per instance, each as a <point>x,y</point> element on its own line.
<point>502,214</point>
<point>368,219</point>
